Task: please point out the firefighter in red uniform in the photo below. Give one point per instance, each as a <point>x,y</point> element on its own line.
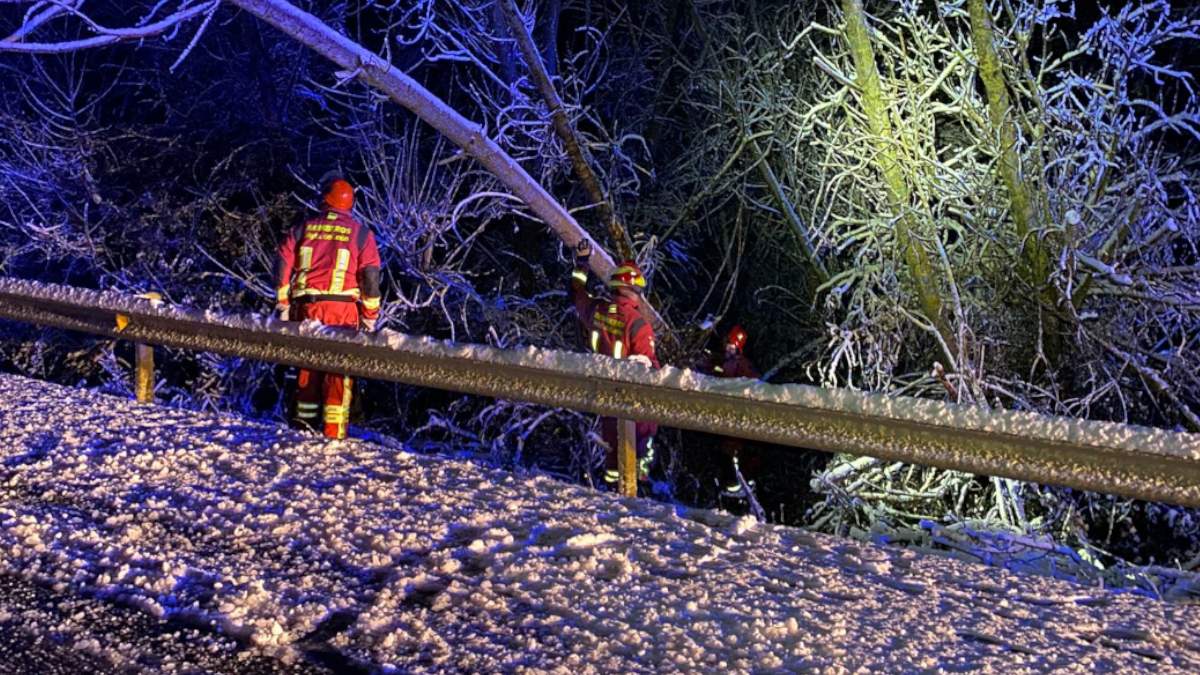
<point>328,271</point>
<point>618,327</point>
<point>732,362</point>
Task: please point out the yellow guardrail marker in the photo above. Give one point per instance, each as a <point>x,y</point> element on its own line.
<point>627,459</point>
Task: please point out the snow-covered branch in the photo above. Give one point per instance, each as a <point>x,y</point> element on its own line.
<point>18,40</point>
<point>401,88</point>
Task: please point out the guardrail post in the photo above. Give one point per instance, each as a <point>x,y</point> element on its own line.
<point>627,464</point>
<point>143,356</point>
<point>144,373</point>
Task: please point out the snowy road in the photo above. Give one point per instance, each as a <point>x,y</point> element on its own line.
<point>294,546</point>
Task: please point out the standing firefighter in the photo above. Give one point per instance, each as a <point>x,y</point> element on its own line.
<point>618,327</point>
<point>329,272</point>
<point>732,362</point>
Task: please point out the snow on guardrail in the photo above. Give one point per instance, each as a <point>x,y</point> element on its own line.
<point>1106,457</point>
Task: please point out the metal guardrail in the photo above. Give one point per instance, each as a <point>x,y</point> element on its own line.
<point>1104,457</point>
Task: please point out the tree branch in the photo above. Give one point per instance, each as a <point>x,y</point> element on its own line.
<point>562,126</point>
<point>105,37</point>
<point>377,72</point>
<point>1004,128</point>
<point>875,107</point>
<point>790,214</point>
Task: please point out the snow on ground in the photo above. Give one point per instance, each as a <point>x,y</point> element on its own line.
<point>296,545</point>
<point>43,632</point>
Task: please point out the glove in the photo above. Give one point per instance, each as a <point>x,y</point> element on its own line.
<point>368,325</point>
<point>583,251</point>
<point>643,360</point>
<point>282,312</point>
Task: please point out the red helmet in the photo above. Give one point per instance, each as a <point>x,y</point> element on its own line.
<point>627,275</point>
<point>339,195</point>
<point>737,338</point>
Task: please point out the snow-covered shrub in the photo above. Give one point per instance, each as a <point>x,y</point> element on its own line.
<point>1105,123</point>
<point>108,179</point>
<point>784,148</point>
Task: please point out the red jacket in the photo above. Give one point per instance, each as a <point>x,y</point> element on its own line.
<point>330,257</point>
<point>619,328</point>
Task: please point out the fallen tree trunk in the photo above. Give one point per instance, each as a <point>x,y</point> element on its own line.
<point>377,72</point>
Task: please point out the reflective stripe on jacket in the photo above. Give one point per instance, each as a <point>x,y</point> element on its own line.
<point>330,255</point>
<point>618,328</point>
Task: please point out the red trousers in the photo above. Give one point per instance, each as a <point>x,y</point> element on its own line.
<point>645,437</point>
<point>326,395</point>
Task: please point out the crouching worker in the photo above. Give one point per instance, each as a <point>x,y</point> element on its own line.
<point>732,362</point>
<point>328,271</point>
<point>619,327</point>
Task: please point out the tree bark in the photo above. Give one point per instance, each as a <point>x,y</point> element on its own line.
<point>503,47</point>
<point>999,106</point>
<point>562,126</point>
<point>1034,260</point>
<point>875,108</point>
<point>377,72</point>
